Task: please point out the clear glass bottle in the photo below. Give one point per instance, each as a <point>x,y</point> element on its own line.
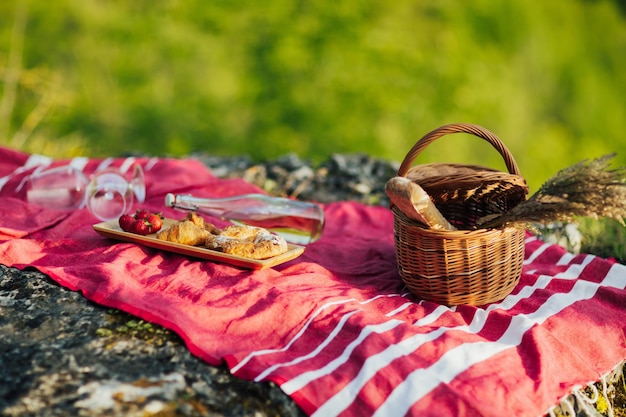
<point>299,222</point>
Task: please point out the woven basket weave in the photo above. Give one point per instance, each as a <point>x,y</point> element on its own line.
<point>466,266</point>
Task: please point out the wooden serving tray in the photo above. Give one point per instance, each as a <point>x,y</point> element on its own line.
<point>112,230</point>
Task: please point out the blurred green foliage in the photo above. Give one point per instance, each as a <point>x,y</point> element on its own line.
<point>106,77</point>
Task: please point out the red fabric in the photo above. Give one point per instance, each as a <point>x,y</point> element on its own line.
<point>335,329</point>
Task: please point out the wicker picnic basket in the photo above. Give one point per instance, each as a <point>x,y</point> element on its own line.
<point>470,265</point>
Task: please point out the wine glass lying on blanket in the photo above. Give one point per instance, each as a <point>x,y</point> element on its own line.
<point>61,188</point>
<point>108,193</point>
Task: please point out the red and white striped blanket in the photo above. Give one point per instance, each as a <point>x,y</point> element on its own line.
<point>335,328</point>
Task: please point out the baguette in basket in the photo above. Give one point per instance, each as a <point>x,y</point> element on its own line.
<point>415,203</point>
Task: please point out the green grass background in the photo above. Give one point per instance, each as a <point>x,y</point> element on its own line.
<point>171,77</point>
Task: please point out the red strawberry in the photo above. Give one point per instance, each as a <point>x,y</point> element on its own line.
<point>143,222</point>
<point>125,221</point>
<point>141,227</point>
<point>156,221</point>
<point>142,214</point>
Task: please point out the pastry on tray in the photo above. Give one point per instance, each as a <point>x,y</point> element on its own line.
<point>192,230</point>
<point>247,241</point>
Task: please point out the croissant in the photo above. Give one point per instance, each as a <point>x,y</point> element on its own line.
<point>192,230</point>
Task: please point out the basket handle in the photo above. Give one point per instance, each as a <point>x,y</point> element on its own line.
<point>475,130</point>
